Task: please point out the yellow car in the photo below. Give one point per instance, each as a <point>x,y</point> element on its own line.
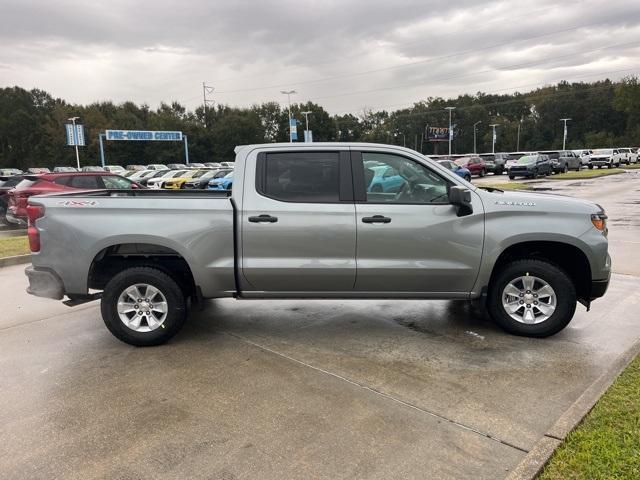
<point>178,182</point>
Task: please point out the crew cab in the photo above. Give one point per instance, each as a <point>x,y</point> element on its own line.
<point>302,222</point>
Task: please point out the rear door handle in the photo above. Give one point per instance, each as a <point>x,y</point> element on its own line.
<point>376,219</point>
<point>263,219</point>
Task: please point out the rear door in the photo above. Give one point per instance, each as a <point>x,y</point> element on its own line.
<point>412,241</point>
<point>298,222</point>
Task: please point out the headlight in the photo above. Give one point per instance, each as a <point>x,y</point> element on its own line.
<point>599,221</point>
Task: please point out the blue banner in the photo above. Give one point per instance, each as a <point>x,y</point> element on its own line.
<point>293,126</point>
<point>75,136</point>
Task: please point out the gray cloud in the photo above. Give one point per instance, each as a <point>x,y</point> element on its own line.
<point>162,51</point>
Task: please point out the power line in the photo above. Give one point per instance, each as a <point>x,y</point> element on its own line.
<point>451,77</point>
<point>494,92</point>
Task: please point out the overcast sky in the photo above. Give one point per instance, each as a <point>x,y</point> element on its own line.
<point>346,55</point>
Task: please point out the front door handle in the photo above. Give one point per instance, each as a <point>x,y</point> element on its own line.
<point>376,219</point>
<point>263,219</point>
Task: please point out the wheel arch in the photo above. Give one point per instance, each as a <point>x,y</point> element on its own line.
<point>567,256</point>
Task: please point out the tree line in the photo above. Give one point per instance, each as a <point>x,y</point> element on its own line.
<point>603,113</point>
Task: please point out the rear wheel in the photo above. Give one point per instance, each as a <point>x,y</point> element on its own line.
<point>590,167</point>
<point>512,177</point>
<point>532,298</point>
<point>143,306</point>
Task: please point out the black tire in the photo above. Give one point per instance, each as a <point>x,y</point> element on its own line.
<point>175,299</point>
<point>565,169</point>
<point>512,177</point>
<point>467,178</point>
<point>590,167</point>
<point>558,280</point>
<point>610,165</point>
<point>483,172</point>
<point>535,173</point>
<point>499,171</point>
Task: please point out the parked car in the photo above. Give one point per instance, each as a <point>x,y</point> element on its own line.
<point>197,165</point>
<point>176,183</point>
<point>44,183</point>
<point>202,181</point>
<point>628,155</point>
<point>64,169</point>
<point>7,183</point>
<point>7,172</point>
<point>457,169</point>
<point>135,167</point>
<point>530,166</point>
<point>177,166</point>
<point>474,164</point>
<point>378,178</point>
<point>93,168</point>
<point>585,156</point>
<point>563,160</point>
<point>157,166</point>
<point>212,164</point>
<point>139,175</point>
<point>292,227</point>
<point>495,162</point>
<point>157,181</point>
<point>605,157</point>
<point>144,178</point>
<point>223,183</point>
<point>36,170</point>
<point>114,169</point>
<point>228,164</point>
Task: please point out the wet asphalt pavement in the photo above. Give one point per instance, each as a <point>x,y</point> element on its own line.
<point>304,389</point>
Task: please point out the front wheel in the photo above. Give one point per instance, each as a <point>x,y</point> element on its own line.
<point>565,169</point>
<point>467,178</point>
<point>482,173</point>
<point>512,177</point>
<point>143,306</point>
<point>532,298</point>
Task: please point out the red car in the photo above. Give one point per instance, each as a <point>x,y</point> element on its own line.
<point>475,165</point>
<point>59,182</point>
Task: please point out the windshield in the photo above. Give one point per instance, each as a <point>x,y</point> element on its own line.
<point>603,151</point>
<point>526,159</point>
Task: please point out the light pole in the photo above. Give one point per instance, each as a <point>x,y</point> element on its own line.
<point>493,142</point>
<point>288,94</point>
<point>306,122</point>
<point>564,137</point>
<point>75,139</point>
<point>450,132</point>
<point>404,138</point>
<point>518,141</point>
<point>474,136</point>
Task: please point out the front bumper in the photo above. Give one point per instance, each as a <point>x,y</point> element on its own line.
<point>44,283</point>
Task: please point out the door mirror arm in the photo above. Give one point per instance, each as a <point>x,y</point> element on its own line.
<point>460,197</point>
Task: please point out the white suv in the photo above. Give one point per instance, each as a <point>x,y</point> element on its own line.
<point>585,156</point>
<point>629,155</point>
<point>605,157</point>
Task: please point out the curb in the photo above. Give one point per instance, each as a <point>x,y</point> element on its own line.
<point>534,461</point>
<point>17,260</point>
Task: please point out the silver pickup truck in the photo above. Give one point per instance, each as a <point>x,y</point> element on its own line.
<point>320,220</point>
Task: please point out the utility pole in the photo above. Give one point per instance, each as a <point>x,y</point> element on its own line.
<point>288,94</point>
<point>564,137</point>
<point>206,101</point>
<point>475,150</point>
<point>493,143</point>
<point>306,122</point>
<point>518,141</point>
<point>450,131</point>
<point>75,140</point>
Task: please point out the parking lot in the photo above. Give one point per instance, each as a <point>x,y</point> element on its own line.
<point>310,389</point>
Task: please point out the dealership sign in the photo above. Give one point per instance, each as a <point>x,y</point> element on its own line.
<point>437,134</point>
<point>143,135</point>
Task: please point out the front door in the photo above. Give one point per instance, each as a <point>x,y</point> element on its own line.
<point>411,240</point>
<point>298,222</point>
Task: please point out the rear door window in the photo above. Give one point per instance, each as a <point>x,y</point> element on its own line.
<point>306,177</point>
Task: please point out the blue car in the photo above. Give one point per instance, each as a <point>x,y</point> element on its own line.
<point>224,183</point>
<point>457,169</point>
<point>385,179</point>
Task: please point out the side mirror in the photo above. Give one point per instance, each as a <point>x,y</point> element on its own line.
<point>460,197</point>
